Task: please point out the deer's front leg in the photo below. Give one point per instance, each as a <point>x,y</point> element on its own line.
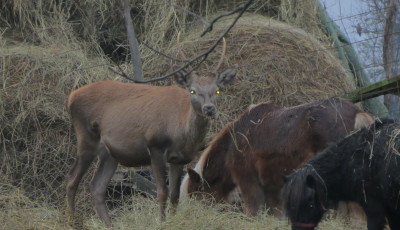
<point>175,178</point>
<point>158,165</point>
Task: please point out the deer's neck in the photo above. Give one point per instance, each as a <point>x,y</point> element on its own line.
<point>198,126</point>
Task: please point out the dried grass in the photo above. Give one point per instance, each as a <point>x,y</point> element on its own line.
<point>394,142</point>
<point>18,212</point>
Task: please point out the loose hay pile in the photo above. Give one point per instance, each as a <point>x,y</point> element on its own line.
<point>37,142</point>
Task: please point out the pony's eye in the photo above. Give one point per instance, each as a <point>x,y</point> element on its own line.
<point>192,91</point>
<point>218,92</point>
<point>311,205</point>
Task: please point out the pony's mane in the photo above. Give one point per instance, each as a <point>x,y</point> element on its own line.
<point>366,133</point>
<point>292,192</point>
<point>204,158</point>
<point>220,144</point>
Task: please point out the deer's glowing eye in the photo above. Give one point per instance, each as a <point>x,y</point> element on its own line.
<point>192,91</point>
<point>218,92</point>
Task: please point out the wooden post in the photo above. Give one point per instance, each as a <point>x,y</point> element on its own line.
<point>133,43</point>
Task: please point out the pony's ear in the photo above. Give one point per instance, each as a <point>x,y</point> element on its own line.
<point>320,189</point>
<point>193,176</point>
<point>310,181</point>
<point>285,178</point>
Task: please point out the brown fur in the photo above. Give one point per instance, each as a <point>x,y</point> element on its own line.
<point>135,125</point>
<point>266,142</point>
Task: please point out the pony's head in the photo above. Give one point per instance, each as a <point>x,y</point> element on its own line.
<point>209,180</point>
<point>195,186</point>
<point>304,197</point>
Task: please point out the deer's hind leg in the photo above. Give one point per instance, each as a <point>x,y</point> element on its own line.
<point>158,165</point>
<point>85,155</point>
<point>105,171</point>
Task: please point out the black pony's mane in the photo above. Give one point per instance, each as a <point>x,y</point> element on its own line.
<point>292,193</point>
<point>367,133</point>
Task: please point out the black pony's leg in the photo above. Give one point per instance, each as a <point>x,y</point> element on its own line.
<point>393,219</point>
<point>375,215</point>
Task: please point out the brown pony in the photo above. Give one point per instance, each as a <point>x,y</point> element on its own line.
<point>266,142</point>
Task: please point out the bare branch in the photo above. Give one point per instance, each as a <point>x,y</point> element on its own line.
<point>389,46</point>
<point>121,73</point>
<point>191,13</point>
<point>241,8</point>
<point>201,57</point>
<point>205,54</point>
<point>163,54</point>
<point>389,36</point>
<point>133,43</point>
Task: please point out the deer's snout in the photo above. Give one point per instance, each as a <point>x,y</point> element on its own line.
<point>209,110</point>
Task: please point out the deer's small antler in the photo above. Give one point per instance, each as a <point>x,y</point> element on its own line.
<point>221,59</point>
<point>179,46</point>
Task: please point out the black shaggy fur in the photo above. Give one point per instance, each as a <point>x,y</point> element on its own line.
<point>363,167</point>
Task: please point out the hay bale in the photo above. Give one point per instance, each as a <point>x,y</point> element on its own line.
<point>155,21</point>
<point>276,62</point>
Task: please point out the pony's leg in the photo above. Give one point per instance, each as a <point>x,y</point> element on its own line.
<point>106,169</point>
<point>375,215</point>
<point>175,178</point>
<point>393,219</point>
<point>85,156</point>
<point>158,166</point>
<point>253,196</point>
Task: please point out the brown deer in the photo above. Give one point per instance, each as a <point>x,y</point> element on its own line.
<point>138,125</point>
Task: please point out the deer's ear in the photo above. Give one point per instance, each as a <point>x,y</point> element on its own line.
<point>193,176</point>
<point>226,77</point>
<point>183,79</point>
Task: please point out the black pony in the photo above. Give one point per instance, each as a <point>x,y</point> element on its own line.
<point>363,167</point>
